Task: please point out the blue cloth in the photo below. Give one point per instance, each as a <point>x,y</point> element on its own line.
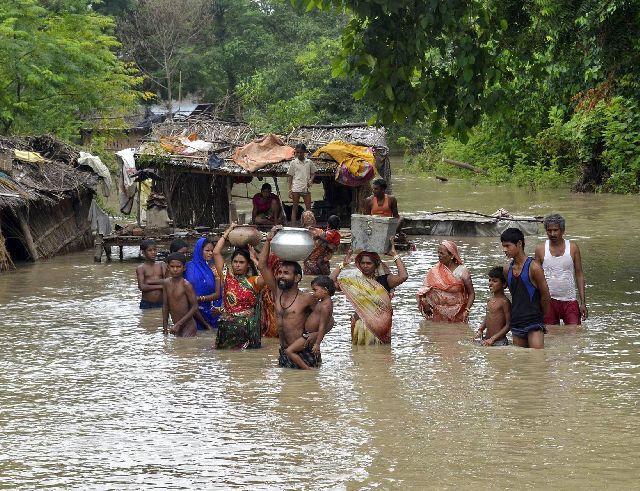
<point>523,332</point>
<point>201,277</point>
<point>145,304</point>
<point>526,309</point>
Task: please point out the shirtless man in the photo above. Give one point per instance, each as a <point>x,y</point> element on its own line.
<point>150,276</point>
<point>561,261</point>
<point>179,299</point>
<point>292,306</point>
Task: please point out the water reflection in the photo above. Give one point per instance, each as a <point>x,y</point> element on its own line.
<point>94,396</point>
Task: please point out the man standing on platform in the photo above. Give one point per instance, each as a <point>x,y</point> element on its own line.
<point>562,264</point>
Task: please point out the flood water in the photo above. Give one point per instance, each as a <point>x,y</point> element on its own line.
<point>93,396</point>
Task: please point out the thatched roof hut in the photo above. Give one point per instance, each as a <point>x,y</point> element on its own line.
<point>200,195</point>
<point>44,199</point>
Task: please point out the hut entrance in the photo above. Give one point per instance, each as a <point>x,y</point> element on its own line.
<point>13,242</point>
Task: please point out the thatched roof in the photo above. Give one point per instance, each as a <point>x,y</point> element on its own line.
<point>24,182</point>
<point>227,136</point>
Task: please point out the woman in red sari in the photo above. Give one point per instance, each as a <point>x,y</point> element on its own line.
<point>239,326</point>
<point>447,294</point>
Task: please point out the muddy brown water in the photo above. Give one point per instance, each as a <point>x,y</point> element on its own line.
<point>93,396</point>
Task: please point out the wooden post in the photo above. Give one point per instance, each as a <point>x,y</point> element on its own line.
<point>98,248</point>
<point>26,234</point>
<point>121,252</point>
<point>139,203</point>
<point>233,213</point>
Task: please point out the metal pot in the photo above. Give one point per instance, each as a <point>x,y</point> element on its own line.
<point>244,235</point>
<point>292,244</point>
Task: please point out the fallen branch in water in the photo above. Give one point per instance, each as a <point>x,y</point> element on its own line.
<point>464,165</point>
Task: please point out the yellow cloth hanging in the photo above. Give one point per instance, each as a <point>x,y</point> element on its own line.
<point>356,164</point>
<point>24,156</point>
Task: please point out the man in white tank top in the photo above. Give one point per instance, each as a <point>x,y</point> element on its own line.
<point>560,259</point>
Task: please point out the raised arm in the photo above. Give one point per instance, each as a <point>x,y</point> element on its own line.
<point>218,258</point>
<point>397,279</point>
<point>336,271</point>
<point>580,282</point>
<point>263,261</point>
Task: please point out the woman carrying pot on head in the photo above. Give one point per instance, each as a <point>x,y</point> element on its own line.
<point>370,295</point>
<point>239,326</point>
<point>447,294</point>
<point>203,276</point>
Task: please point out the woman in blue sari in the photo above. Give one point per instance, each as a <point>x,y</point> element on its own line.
<point>203,276</point>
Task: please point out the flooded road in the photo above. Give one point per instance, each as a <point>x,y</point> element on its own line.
<point>93,396</point>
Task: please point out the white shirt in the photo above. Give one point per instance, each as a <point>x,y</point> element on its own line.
<point>301,171</point>
<point>559,272</point>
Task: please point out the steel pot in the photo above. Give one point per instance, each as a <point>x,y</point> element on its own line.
<point>292,244</point>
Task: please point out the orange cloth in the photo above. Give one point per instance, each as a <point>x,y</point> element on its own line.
<point>383,210</point>
<point>261,152</point>
<point>445,294</point>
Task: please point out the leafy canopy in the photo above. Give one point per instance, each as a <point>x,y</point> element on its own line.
<point>60,65</point>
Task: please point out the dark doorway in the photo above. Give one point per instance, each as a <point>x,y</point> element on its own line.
<point>13,241</point>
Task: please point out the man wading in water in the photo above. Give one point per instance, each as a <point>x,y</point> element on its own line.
<point>292,305</point>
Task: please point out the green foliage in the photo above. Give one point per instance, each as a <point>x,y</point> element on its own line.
<point>59,66</point>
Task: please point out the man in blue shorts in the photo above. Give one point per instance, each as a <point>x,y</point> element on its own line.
<point>529,292</point>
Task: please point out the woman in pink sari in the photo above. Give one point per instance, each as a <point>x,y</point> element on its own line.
<point>447,294</point>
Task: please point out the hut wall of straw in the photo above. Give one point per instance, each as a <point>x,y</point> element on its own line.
<point>200,199</point>
<point>44,205</point>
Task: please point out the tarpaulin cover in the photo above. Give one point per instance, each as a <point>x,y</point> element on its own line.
<point>261,152</point>
<point>356,164</point>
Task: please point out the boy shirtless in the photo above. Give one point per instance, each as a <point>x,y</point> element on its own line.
<point>529,292</point>
<point>498,316</point>
<point>319,322</point>
<point>150,276</point>
<point>179,299</point>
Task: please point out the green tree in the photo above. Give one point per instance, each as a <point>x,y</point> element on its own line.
<point>59,67</point>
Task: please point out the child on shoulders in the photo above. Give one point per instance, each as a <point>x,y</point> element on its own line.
<point>498,316</point>
<point>318,324</point>
<point>179,299</point>
<point>150,276</point>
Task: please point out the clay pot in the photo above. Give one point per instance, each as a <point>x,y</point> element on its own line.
<point>244,235</point>
<point>292,244</point>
